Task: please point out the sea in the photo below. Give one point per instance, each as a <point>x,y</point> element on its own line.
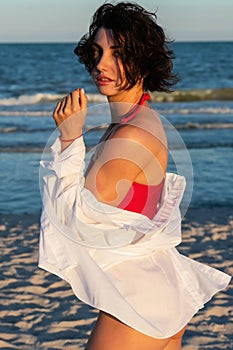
<point>197,116</point>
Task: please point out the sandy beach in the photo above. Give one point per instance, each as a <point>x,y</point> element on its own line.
<point>39,311</point>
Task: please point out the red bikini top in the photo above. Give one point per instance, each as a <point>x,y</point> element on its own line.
<point>140,198</point>
<point>143,199</point>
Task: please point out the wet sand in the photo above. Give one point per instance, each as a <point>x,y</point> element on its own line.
<point>39,311</point>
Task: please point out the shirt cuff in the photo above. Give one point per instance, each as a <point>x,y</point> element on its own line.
<point>67,162</point>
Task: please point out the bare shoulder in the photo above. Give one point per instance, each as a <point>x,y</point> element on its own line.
<point>136,152</point>
<point>146,130</point>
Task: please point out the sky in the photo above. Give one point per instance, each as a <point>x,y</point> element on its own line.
<point>68,20</point>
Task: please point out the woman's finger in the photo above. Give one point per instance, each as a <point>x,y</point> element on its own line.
<point>62,107</point>
<point>66,106</point>
<point>83,99</point>
<point>75,100</point>
<point>56,113</point>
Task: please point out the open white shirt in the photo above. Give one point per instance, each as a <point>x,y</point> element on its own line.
<point>119,261</point>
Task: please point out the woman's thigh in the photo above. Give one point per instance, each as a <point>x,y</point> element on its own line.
<point>111,334</point>
<point>175,342</point>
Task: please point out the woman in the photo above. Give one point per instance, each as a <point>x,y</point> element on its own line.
<point>141,287</point>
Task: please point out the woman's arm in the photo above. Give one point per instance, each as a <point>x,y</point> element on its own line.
<point>131,155</point>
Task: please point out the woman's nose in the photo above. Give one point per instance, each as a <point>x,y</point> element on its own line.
<point>102,62</point>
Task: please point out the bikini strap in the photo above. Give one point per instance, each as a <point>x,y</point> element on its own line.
<point>145,97</point>
<point>135,109</point>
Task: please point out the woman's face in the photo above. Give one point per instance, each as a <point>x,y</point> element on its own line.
<point>108,73</point>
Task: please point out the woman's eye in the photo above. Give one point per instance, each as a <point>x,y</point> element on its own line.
<point>117,53</point>
<point>95,52</point>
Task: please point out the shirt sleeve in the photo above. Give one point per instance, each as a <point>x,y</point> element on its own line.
<point>73,210</point>
<point>63,177</point>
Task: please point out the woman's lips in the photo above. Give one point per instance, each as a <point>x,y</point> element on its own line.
<point>103,80</point>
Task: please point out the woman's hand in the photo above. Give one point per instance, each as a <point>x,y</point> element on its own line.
<point>70,114</point>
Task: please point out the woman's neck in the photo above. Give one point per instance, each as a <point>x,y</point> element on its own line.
<point>122,103</point>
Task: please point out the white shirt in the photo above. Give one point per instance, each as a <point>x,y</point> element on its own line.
<point>119,261</point>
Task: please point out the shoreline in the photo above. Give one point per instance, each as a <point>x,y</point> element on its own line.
<point>39,311</point>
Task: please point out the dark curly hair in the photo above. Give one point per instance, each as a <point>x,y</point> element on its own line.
<point>145,53</point>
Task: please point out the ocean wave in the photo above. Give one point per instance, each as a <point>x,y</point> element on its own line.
<point>202,126</point>
<point>223,94</point>
<point>30,99</point>
<point>8,130</point>
<point>25,113</point>
<point>41,98</point>
<point>22,149</point>
<point>176,96</point>
<point>27,129</point>
<point>197,110</point>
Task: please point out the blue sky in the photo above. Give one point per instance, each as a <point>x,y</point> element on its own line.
<point>67,20</point>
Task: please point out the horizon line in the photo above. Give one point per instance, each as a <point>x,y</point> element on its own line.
<point>73,42</point>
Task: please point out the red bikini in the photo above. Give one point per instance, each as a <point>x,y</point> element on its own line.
<point>141,198</point>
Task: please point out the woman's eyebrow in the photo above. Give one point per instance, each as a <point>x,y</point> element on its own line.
<point>95,44</point>
<point>113,47</point>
